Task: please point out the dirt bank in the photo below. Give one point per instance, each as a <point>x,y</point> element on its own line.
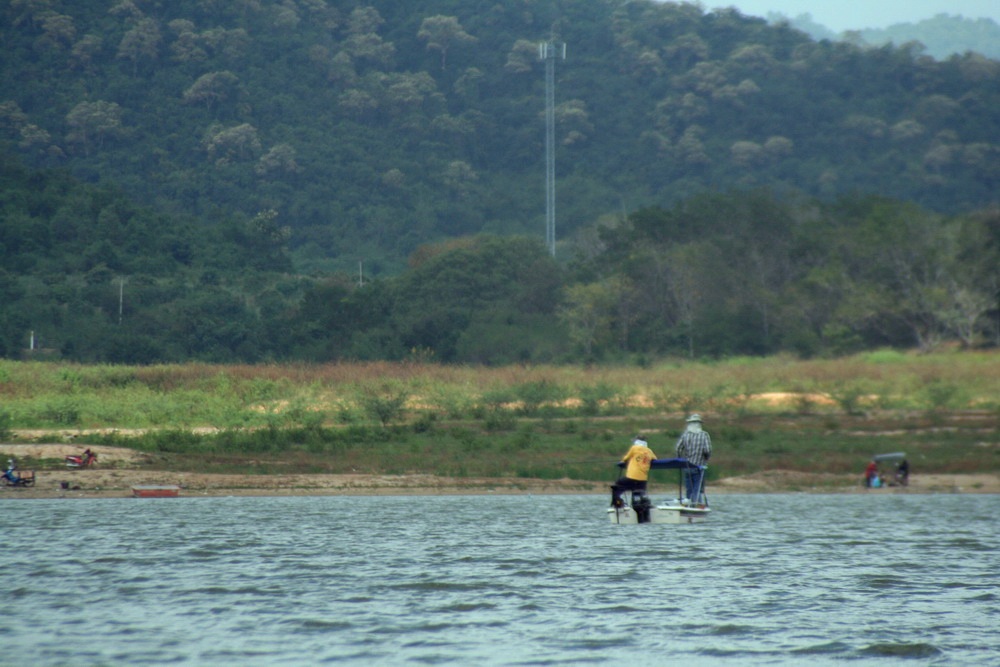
<point>114,477</point>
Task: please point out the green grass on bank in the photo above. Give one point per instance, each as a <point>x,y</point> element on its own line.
<point>546,422</point>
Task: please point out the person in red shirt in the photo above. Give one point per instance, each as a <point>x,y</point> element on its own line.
<point>871,472</point>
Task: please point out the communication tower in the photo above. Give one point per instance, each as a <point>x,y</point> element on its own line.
<point>550,52</point>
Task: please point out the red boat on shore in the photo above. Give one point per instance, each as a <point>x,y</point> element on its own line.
<point>166,491</point>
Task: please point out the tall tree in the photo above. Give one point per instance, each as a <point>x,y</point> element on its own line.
<point>442,33</point>
<point>91,122</point>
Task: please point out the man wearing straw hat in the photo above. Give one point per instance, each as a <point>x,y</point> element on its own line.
<point>695,445</point>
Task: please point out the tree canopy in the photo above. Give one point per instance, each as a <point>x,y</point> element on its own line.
<point>198,180</point>
<point>371,129</point>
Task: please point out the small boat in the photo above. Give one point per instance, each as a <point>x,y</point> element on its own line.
<point>166,491</point>
<point>636,507</point>
<point>897,475</point>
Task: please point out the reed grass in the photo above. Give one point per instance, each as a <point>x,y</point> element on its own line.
<point>537,421</point>
<point>54,395</point>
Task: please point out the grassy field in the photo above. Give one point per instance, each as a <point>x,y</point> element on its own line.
<point>545,422</point>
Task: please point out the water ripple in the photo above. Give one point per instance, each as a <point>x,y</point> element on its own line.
<point>918,650</point>
<point>478,580</point>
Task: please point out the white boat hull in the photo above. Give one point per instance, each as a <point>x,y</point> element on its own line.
<point>671,513</point>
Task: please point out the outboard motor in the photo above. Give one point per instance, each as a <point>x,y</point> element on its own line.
<point>642,505</point>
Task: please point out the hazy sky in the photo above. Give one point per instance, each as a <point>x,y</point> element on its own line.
<point>840,15</point>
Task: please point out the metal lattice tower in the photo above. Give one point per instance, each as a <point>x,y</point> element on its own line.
<point>550,52</point>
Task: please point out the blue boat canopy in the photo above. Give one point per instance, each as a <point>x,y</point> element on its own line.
<point>672,464</point>
<point>667,464</point>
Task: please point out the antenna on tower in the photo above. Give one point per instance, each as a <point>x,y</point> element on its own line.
<point>550,52</point>
<point>121,298</point>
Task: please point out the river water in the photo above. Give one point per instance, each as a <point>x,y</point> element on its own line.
<point>499,580</point>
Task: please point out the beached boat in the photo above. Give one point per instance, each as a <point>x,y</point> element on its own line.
<point>887,470</point>
<point>166,491</point>
<point>636,507</point>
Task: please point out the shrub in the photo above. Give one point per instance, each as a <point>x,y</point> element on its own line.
<point>384,404</point>
<point>940,395</point>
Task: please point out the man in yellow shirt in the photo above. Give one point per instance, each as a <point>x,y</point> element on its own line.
<point>637,461</point>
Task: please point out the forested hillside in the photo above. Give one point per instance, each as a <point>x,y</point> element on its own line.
<point>202,180</point>
<point>373,127</point>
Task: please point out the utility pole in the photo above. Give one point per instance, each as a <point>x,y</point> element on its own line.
<point>550,52</point>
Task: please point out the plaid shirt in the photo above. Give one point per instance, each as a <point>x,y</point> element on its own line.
<point>695,446</point>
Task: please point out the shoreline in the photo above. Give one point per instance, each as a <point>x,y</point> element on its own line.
<point>119,484</point>
<point>120,469</point>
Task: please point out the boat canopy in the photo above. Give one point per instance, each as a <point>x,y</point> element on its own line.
<point>672,464</point>
<point>895,456</point>
<point>667,464</point>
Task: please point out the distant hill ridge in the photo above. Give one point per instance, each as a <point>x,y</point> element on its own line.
<point>943,35</point>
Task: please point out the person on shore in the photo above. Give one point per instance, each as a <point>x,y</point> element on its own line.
<point>10,474</point>
<point>637,460</point>
<point>695,445</point>
<point>871,475</point>
<point>903,473</point>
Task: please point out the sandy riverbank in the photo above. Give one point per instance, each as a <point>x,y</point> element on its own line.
<point>114,477</point>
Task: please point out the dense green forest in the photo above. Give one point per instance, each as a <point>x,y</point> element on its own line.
<point>307,180</point>
<point>97,278</point>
